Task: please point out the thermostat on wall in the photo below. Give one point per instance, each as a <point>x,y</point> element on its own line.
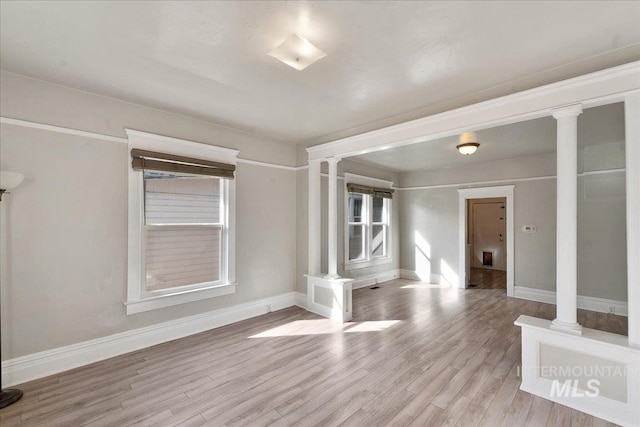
<point>528,228</point>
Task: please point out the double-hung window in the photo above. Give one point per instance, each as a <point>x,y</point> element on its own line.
<point>181,222</point>
<point>368,232</point>
<point>183,231</point>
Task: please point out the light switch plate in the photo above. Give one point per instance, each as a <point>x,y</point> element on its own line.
<point>528,228</point>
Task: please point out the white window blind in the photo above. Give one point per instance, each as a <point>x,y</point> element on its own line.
<point>183,230</point>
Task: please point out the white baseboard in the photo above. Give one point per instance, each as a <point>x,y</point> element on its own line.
<point>601,305</point>
<point>375,278</point>
<point>301,300</point>
<point>49,362</point>
<point>412,275</point>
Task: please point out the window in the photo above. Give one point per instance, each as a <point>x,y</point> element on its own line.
<point>367,237</point>
<point>181,222</point>
<point>357,226</point>
<point>183,231</point>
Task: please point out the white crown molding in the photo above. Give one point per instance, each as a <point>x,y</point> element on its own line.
<point>93,135</point>
<point>599,88</point>
<point>103,137</point>
<point>268,165</point>
<point>507,181</point>
<point>59,129</point>
<point>49,362</point>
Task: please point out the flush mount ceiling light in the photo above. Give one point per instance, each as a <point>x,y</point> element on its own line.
<point>468,143</point>
<point>297,52</point>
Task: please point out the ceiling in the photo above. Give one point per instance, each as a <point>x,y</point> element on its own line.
<point>596,126</point>
<point>387,62</point>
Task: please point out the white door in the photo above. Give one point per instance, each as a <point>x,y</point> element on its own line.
<point>489,235</point>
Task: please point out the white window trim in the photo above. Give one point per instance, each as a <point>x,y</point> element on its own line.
<point>350,178</point>
<point>137,301</point>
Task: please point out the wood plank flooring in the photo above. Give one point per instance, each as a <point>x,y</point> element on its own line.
<point>484,278</point>
<point>415,355</point>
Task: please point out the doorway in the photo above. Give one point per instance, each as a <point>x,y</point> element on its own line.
<point>490,259</point>
<point>487,240</point>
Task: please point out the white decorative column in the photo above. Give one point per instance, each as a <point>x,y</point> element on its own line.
<point>632,157</point>
<point>332,215</point>
<point>327,295</point>
<point>567,219</point>
<point>315,234</point>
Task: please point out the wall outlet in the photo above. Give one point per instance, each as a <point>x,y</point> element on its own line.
<point>268,308</point>
<point>612,310</point>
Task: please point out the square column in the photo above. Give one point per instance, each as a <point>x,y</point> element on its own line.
<point>567,220</point>
<point>328,295</point>
<point>332,218</point>
<point>632,158</point>
<point>315,233</point>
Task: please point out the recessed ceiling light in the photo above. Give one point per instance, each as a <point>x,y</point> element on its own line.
<point>468,143</point>
<point>297,52</point>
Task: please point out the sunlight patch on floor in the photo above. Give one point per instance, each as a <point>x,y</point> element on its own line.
<point>372,326</point>
<point>324,326</point>
<point>423,286</point>
<point>303,327</point>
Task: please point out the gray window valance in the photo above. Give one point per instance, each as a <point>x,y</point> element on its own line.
<point>162,162</point>
<point>386,193</point>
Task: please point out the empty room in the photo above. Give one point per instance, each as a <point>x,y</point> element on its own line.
<point>319,213</point>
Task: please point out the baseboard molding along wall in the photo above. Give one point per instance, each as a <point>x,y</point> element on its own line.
<point>601,305</point>
<point>49,362</point>
<point>375,278</point>
<point>433,278</point>
<point>301,300</point>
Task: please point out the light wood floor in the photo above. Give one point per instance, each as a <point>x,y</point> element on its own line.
<point>415,355</point>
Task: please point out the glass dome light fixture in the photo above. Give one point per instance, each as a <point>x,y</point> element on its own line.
<point>468,143</point>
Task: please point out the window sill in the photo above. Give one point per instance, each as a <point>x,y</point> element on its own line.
<point>167,300</point>
<point>354,265</point>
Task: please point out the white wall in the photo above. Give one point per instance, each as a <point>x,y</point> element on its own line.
<point>433,215</point>
<point>65,228</point>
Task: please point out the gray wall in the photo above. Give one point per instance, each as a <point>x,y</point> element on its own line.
<point>64,230</point>
<point>433,213</point>
<point>63,234</point>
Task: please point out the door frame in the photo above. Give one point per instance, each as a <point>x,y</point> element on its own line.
<point>465,194</point>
